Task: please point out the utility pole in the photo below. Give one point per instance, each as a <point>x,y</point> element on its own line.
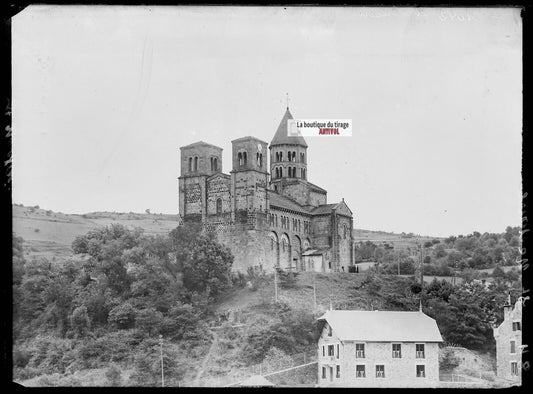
<point>398,254</point>
<point>162,372</point>
<point>314,289</point>
<point>276,283</point>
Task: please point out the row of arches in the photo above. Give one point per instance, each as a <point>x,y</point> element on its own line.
<point>287,253</point>
<point>193,164</point>
<point>278,172</point>
<point>291,156</point>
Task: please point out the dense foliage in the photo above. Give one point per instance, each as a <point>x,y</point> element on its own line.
<point>462,253</point>
<point>129,289</point>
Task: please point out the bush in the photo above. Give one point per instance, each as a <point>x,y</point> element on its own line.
<point>122,316</point>
<point>113,376</point>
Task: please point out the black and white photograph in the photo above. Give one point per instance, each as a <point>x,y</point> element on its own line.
<point>267,196</point>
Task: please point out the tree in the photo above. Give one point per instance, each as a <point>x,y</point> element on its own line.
<point>448,361</point>
<point>79,320</point>
<point>123,316</point>
<point>209,267</point>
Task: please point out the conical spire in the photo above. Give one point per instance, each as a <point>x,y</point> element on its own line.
<point>282,138</point>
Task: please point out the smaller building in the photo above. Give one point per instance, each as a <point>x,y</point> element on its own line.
<point>378,349</point>
<point>508,336</point>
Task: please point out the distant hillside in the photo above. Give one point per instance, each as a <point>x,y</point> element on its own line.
<point>50,234</point>
<point>399,241</point>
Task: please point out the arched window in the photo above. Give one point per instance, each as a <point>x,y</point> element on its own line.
<point>211,159</point>
<point>294,172</point>
<point>288,155</point>
<point>280,156</point>
<point>261,160</point>
<point>244,157</point>
<point>301,157</point>
<point>294,156</point>
<point>344,230</point>
<point>281,172</point>
<point>215,162</point>
<point>240,158</point>
<point>190,164</point>
<point>219,206</point>
<point>290,172</point>
<point>195,164</point>
<point>277,156</point>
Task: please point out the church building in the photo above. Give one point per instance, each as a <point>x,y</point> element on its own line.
<point>269,216</point>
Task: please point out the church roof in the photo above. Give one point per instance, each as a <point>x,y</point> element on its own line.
<point>282,138</point>
<point>200,143</point>
<point>382,326</point>
<point>324,209</point>
<point>316,188</point>
<point>277,200</point>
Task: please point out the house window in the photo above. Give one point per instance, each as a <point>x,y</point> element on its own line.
<point>420,350</point>
<point>338,352</point>
<point>323,372</point>
<point>420,371</point>
<point>380,371</point>
<point>219,206</point>
<point>513,347</point>
<point>514,368</point>
<point>360,371</point>
<point>338,372</point>
<point>331,350</point>
<point>360,350</point>
<point>396,350</point>
<point>516,326</point>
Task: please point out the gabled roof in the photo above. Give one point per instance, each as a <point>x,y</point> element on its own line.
<point>200,143</point>
<point>324,209</point>
<point>256,381</point>
<point>282,136</point>
<point>280,201</point>
<point>382,326</point>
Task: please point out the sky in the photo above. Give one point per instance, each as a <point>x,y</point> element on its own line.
<point>103,97</point>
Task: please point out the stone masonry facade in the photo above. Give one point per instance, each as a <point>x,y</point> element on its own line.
<point>267,215</point>
<point>508,336</point>
<point>340,364</point>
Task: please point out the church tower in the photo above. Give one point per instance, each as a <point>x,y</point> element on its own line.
<point>288,155</point>
<point>249,180</point>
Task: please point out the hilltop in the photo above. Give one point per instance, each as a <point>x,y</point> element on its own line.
<point>50,234</point>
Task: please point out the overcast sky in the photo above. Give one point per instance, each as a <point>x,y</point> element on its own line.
<point>103,97</point>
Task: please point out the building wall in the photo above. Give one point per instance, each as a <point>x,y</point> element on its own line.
<point>399,372</point>
<point>503,335</point>
<point>344,241</point>
<point>316,198</point>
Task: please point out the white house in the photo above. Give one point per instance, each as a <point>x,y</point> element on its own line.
<point>508,336</point>
<point>378,349</point>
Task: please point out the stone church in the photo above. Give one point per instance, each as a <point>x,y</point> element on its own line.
<point>268,216</point>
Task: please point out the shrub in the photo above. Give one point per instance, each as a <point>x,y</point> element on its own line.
<point>122,316</point>
<point>113,376</point>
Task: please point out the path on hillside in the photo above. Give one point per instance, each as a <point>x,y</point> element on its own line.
<point>206,359</point>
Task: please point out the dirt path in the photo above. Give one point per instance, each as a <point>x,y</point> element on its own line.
<point>206,359</point>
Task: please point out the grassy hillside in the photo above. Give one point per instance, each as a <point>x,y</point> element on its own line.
<point>50,234</point>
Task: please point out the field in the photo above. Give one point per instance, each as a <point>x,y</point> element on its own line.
<point>399,241</point>
<point>50,234</point>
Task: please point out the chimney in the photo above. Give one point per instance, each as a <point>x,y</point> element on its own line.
<point>507,308</point>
